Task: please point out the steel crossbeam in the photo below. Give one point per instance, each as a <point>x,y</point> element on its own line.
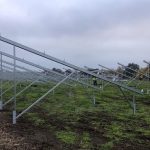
<point>48,92</point>
<point>46,69</point>
<point>66,64</point>
<point>34,73</point>
<point>146,62</point>
<point>52,75</point>
<point>114,71</point>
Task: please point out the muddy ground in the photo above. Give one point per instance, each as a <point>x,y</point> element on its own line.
<point>26,136</point>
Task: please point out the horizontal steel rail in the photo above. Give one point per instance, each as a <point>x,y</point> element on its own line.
<point>46,69</point>
<point>146,62</point>
<point>66,64</point>
<point>114,71</point>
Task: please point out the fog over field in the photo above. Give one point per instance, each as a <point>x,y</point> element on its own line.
<point>82,32</point>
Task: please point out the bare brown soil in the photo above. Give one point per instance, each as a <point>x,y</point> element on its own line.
<point>26,136</point>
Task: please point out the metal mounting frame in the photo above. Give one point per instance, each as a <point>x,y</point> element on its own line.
<point>63,77</point>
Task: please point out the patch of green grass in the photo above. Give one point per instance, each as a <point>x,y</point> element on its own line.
<point>142,131</point>
<point>67,137</point>
<point>22,105</point>
<point>85,142</point>
<point>112,115</point>
<point>35,119</point>
<point>114,132</point>
<point>107,146</point>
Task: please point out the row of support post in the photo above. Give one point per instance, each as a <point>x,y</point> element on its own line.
<point>1,86</point>
<point>14,109</point>
<point>131,101</point>
<point>14,98</point>
<point>102,78</point>
<point>15,82</point>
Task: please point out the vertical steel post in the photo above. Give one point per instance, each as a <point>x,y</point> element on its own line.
<point>14,76</point>
<point>1,84</point>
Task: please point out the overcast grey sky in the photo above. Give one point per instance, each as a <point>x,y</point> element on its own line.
<point>83,32</point>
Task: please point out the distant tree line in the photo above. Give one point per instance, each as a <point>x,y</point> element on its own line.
<point>133,70</point>
<point>130,71</point>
